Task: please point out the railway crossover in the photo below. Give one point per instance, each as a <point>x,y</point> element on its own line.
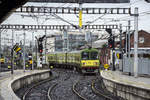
<point>68,84</point>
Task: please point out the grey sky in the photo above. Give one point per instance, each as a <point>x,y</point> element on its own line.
<point>144,17</point>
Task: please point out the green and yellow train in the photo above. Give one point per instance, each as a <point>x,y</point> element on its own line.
<point>85,61</point>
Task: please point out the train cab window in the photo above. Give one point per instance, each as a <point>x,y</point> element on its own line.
<point>85,55</point>
<point>94,55</point>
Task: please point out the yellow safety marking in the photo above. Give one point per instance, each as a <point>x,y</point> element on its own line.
<point>80,18</point>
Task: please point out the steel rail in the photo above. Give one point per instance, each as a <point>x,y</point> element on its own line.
<point>35,85</point>
<point>98,92</point>
<point>50,90</point>
<point>76,92</point>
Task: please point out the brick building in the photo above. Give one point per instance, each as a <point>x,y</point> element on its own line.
<point>143,40</point>
<point>143,46</point>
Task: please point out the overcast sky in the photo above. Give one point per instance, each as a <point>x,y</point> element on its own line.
<point>18,18</point>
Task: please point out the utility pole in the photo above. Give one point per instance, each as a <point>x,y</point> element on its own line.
<point>91,38</point>
<point>120,37</point>
<point>113,51</point>
<point>12,54</point>
<point>129,47</point>
<point>126,35</point>
<point>24,62</point>
<point>45,45</point>
<point>32,49</point>
<point>36,45</point>
<point>136,42</point>
<point>121,45</point>
<point>0,45</point>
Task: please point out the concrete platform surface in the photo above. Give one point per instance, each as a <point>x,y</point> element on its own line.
<point>6,78</point>
<point>118,77</point>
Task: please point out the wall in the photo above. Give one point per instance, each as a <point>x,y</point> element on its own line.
<point>26,80</point>
<point>126,91</point>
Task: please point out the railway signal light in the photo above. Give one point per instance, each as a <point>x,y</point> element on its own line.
<point>111,42</point>
<point>40,48</point>
<point>41,51</point>
<point>111,39</point>
<point>40,45</point>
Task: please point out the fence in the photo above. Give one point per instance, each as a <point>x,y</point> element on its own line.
<point>127,65</point>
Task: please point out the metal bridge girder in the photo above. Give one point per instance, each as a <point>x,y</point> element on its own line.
<point>73,10</point>
<point>54,27</point>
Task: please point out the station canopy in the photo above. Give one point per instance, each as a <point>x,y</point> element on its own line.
<point>82,1</point>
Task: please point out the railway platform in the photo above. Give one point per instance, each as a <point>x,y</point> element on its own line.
<point>9,82</point>
<point>128,87</point>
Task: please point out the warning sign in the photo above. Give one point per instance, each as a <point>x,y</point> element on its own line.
<point>106,66</point>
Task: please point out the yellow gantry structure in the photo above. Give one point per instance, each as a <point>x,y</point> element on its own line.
<point>80,18</point>
<point>80,15</point>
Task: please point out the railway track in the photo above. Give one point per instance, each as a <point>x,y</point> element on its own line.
<point>36,87</point>
<point>50,90</point>
<point>43,90</point>
<point>100,93</point>
<point>89,91</point>
<point>62,86</point>
<point>76,92</point>
<point>82,88</point>
<point>68,85</point>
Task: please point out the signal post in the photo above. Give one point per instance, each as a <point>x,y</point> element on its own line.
<point>111,44</point>
<point>40,50</point>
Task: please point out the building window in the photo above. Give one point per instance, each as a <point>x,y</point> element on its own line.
<point>141,39</point>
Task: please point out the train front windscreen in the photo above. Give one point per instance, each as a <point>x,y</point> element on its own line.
<point>85,56</point>
<point>94,55</point>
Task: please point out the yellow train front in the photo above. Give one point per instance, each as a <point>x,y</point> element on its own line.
<point>89,61</point>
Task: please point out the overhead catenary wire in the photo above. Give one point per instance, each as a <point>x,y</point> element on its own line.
<point>105,14</point>
<point>90,22</point>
